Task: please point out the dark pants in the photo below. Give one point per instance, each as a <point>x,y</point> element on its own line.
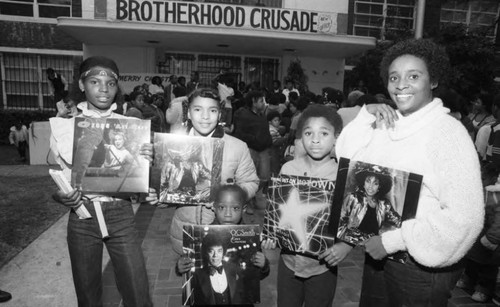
<point>85,245</point>
<point>21,149</point>
<point>411,284</point>
<point>315,291</point>
<point>483,276</point>
<point>373,290</point>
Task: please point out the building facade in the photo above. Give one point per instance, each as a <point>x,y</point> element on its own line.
<point>254,40</point>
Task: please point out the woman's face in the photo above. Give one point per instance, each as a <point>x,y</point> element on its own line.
<point>409,84</point>
<point>139,101</point>
<point>119,141</point>
<point>372,185</point>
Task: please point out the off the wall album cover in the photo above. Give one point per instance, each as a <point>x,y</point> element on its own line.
<point>298,215</point>
<point>189,166</point>
<point>223,273</point>
<point>106,155</point>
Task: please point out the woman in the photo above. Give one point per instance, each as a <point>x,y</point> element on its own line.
<point>366,210</point>
<point>481,111</point>
<point>420,137</point>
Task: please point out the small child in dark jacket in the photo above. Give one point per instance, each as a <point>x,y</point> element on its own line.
<point>229,204</point>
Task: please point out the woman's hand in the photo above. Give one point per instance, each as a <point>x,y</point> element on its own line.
<point>335,254</point>
<point>259,260</point>
<point>375,248</point>
<point>147,151</point>
<point>384,114</point>
<point>72,199</point>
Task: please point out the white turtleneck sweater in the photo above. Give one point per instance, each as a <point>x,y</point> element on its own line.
<point>431,143</point>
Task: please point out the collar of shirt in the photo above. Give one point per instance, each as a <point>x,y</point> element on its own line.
<point>84,106</point>
<point>219,282</point>
<point>191,133</point>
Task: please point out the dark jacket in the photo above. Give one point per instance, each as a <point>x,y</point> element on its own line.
<point>253,129</point>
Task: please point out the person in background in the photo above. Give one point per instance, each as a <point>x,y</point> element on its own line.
<point>251,126</point>
<point>175,115</point>
<point>66,108</point>
<point>136,105</point>
<point>481,111</point>
<point>279,140</point>
<point>58,85</point>
<point>289,88</point>
<point>156,86</point>
<point>351,108</point>
<point>419,137</point>
<point>194,82</point>
<point>182,82</point>
<point>18,137</point>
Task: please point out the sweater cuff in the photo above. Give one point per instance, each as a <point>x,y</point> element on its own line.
<point>393,241</point>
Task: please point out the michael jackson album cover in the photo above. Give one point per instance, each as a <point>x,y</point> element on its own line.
<point>189,167</point>
<point>106,155</point>
<point>299,214</point>
<point>373,199</point>
<point>224,272</point>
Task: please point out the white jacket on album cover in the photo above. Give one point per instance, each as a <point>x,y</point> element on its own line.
<point>435,145</point>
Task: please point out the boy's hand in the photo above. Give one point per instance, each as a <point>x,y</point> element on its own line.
<point>72,199</point>
<point>147,151</point>
<point>184,264</point>
<point>384,113</point>
<point>151,197</point>
<point>375,248</point>
<point>335,254</point>
<point>258,259</point>
<point>268,244</point>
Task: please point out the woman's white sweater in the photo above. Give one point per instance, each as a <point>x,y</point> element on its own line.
<point>431,143</point>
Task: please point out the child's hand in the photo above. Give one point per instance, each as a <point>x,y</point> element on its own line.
<point>268,244</point>
<point>147,151</point>
<point>335,254</point>
<point>384,113</point>
<point>72,199</point>
<point>151,198</point>
<point>184,264</point>
<point>258,259</point>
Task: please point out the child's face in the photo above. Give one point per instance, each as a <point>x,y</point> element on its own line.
<point>100,91</point>
<point>229,208</point>
<point>318,138</point>
<point>204,114</point>
<point>275,122</point>
<point>139,101</point>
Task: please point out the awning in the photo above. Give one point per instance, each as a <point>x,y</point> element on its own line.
<point>210,40</point>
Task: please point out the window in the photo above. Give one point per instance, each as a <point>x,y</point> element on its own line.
<point>373,17</point>
<point>266,3</point>
<point>36,8</point>
<point>25,81</point>
<point>476,14</point>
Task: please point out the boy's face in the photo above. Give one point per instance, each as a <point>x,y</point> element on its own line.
<point>100,91</point>
<point>229,208</point>
<point>318,138</point>
<point>215,254</point>
<point>204,114</point>
<point>275,122</point>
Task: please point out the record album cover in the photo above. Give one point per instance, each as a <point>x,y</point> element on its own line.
<point>189,166</point>
<point>298,215</point>
<point>106,155</point>
<point>222,257</point>
<point>373,199</point>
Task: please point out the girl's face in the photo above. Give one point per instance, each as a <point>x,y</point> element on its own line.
<point>372,185</point>
<point>409,84</point>
<point>318,138</point>
<point>229,208</point>
<point>119,141</point>
<point>275,122</point>
<point>204,114</point>
<point>100,91</point>
<point>139,101</point>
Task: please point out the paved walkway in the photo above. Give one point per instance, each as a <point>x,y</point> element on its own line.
<point>41,274</point>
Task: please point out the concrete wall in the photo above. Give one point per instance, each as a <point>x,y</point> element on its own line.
<point>335,6</point>
<point>129,59</point>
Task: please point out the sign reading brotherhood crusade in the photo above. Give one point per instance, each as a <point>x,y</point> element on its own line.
<point>220,15</point>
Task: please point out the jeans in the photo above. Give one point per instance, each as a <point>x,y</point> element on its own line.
<point>373,289</point>
<point>411,284</point>
<point>262,162</point>
<point>315,291</point>
<point>85,244</point>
